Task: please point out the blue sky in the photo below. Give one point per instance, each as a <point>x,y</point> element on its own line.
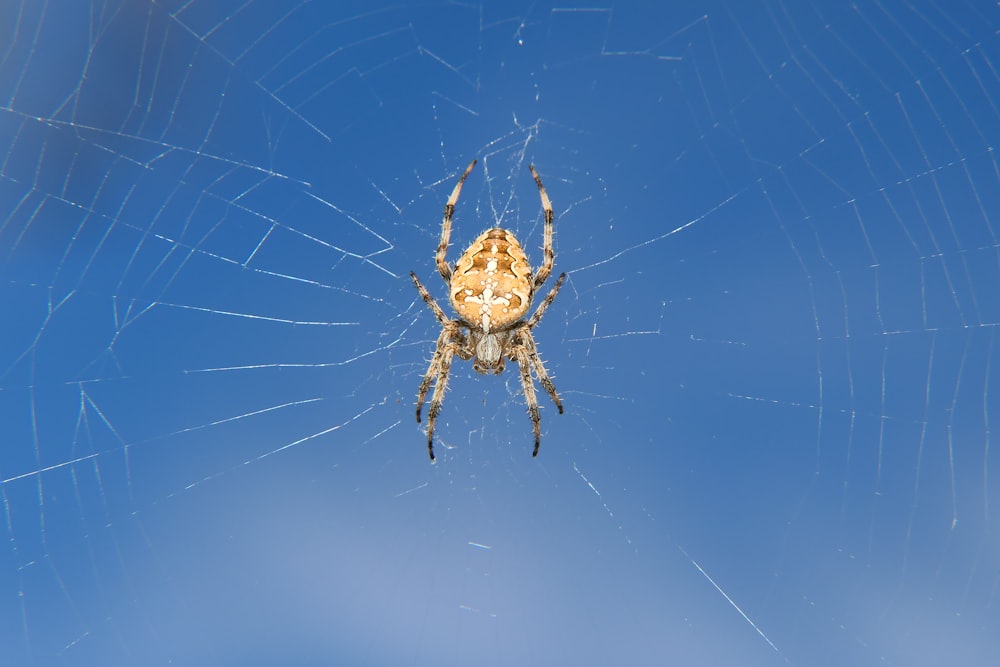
<point>775,345</point>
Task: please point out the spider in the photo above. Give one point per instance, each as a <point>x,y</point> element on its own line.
<point>490,287</point>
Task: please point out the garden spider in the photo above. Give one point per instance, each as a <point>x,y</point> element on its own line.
<point>490,287</point>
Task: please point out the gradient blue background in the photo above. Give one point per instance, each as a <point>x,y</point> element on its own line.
<point>776,346</point>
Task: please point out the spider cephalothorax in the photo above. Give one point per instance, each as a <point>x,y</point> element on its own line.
<point>491,288</point>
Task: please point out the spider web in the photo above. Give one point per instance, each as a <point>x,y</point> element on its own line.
<point>775,345</point>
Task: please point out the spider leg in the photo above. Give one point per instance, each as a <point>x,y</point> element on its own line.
<point>451,337</point>
<point>451,341</point>
<point>449,211</point>
<point>440,386</point>
<point>429,300</point>
<point>521,356</point>
<point>432,370</point>
<point>549,255</point>
<point>528,341</point>
<point>549,298</point>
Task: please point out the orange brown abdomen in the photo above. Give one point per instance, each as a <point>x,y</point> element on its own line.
<point>491,285</point>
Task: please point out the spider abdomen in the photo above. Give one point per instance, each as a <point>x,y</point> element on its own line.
<point>492,283</point>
